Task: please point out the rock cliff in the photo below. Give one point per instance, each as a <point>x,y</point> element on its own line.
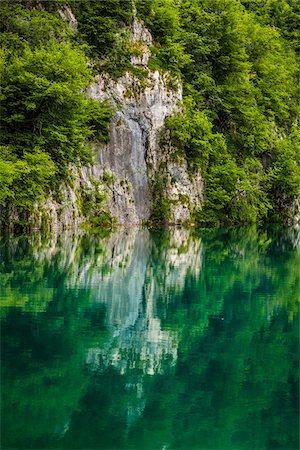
<point>132,164</point>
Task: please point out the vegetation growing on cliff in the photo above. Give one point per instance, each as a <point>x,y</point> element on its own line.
<point>238,61</point>
<point>239,67</point>
<point>46,119</point>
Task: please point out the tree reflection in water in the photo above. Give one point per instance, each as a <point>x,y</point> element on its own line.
<point>151,339</point>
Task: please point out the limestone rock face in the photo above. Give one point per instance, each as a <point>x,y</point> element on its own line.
<point>66,14</point>
<point>184,191</point>
<point>294,212</point>
<point>142,40</point>
<point>128,166</point>
<point>133,154</point>
<point>133,149</point>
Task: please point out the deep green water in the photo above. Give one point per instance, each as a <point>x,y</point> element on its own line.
<point>157,340</point>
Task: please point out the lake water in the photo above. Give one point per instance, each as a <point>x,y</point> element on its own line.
<point>143,339</point>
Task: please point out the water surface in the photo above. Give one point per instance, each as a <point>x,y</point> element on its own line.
<point>170,339</point>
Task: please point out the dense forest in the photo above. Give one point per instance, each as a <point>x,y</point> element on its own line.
<point>238,63</point>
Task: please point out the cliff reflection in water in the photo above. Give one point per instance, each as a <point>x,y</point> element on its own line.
<point>142,339</point>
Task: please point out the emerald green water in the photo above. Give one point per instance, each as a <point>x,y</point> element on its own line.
<point>151,340</point>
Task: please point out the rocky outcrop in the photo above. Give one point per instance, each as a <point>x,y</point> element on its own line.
<point>294,212</point>
<point>133,156</point>
<point>67,15</point>
<point>134,141</point>
<point>127,167</point>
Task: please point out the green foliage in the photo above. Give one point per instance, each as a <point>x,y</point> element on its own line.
<point>46,119</point>
<point>103,26</point>
<point>92,204</point>
<point>233,191</point>
<point>284,15</point>
<point>241,96</point>
<point>238,61</point>
<point>44,84</point>
<point>108,178</point>
<point>24,180</point>
<point>23,21</point>
<point>161,211</point>
<point>161,204</point>
<point>284,176</point>
<point>103,219</point>
<point>250,202</point>
<point>163,18</point>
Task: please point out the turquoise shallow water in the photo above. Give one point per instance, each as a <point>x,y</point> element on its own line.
<point>151,340</point>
